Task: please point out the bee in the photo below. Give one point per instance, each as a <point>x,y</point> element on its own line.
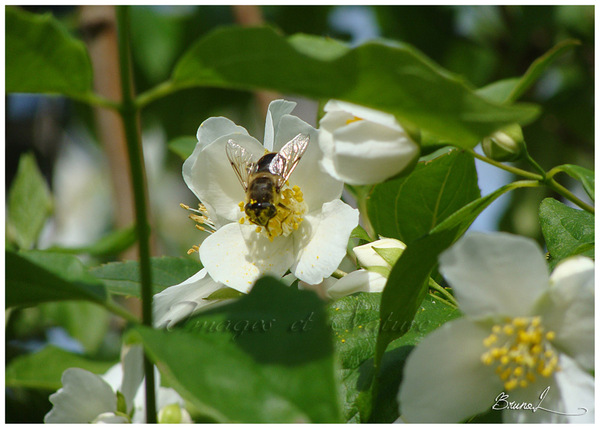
<point>263,180</point>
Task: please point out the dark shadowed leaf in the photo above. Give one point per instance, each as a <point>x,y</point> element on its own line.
<point>267,357</point>
<point>34,277</point>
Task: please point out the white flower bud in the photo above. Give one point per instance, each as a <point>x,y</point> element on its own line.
<point>364,146</point>
<point>381,253</point>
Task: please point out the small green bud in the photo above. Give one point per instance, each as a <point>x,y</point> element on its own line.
<point>170,414</point>
<point>505,145</point>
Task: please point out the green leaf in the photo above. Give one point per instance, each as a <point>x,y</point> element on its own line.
<point>183,146</point>
<point>408,84</point>
<point>409,207</point>
<point>407,286</point>
<point>389,254</point>
<point>41,56</point>
<point>511,89</point>
<point>360,233</point>
<point>29,203</point>
<point>355,322</point>
<point>123,278</point>
<point>34,277</point>
<point>540,65</point>
<point>407,283</point>
<point>43,369</point>
<point>111,244</point>
<point>567,231</point>
<point>499,91</point>
<point>266,357</point>
<point>225,293</point>
<point>431,315</point>
<point>585,176</point>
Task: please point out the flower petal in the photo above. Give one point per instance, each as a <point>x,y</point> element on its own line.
<point>177,302</point>
<point>133,373</point>
<point>210,176</point>
<point>356,281</point>
<point>356,111</point>
<point>567,392</point>
<point>365,152</point>
<point>577,391</point>
<point>83,397</point>
<point>495,274</point>
<point>276,110</point>
<point>110,418</point>
<point>568,309</point>
<point>444,379</point>
<point>236,255</point>
<point>320,242</point>
<point>114,376</point>
<point>317,186</point>
<point>216,127</point>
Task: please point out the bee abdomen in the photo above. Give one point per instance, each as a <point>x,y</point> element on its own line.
<point>262,189</point>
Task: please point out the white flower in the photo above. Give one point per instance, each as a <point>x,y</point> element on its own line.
<point>175,303</point>
<point>89,398</point>
<point>363,146</point>
<point>236,254</point>
<point>523,332</point>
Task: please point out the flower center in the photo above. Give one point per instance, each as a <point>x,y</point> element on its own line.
<point>290,209</point>
<point>521,350</point>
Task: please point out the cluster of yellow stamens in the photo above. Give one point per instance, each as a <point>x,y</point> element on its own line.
<point>290,209</point>
<point>203,222</point>
<point>521,351</point>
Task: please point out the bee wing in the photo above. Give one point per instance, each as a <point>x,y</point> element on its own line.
<point>288,157</point>
<point>241,161</point>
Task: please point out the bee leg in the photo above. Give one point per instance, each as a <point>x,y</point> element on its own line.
<point>268,231</point>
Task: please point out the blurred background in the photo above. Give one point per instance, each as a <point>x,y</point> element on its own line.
<point>81,154</point>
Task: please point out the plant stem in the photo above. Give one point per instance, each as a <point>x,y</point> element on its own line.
<point>120,311</point>
<point>97,100</point>
<point>439,298</point>
<point>554,185</point>
<point>544,178</point>
<point>433,285</point>
<point>535,165</point>
<point>514,170</point>
<point>155,93</point>
<point>129,114</point>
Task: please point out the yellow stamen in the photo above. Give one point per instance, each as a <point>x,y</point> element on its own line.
<point>519,349</point>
